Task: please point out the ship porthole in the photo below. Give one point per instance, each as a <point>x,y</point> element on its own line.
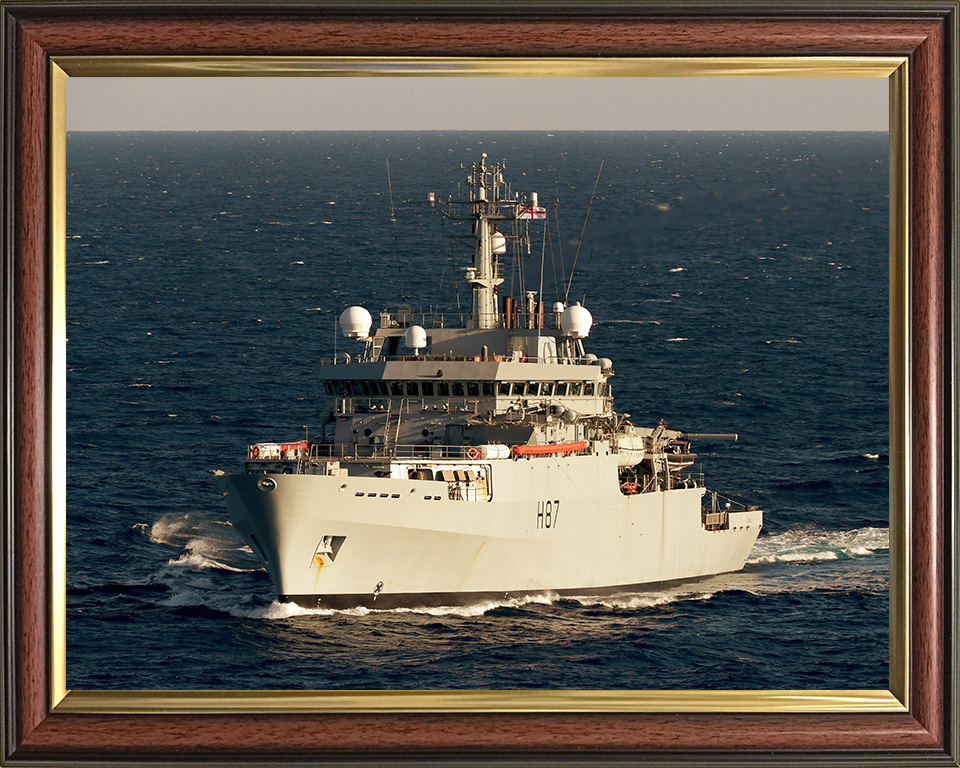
<point>267,484</point>
<point>343,488</point>
<point>413,491</point>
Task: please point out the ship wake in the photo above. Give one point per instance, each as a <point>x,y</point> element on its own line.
<point>215,571</point>
<point>813,545</point>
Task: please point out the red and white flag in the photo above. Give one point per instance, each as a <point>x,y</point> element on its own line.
<point>532,213</point>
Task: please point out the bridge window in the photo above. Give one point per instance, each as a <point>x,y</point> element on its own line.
<point>473,389</point>
<point>561,390</point>
<point>588,389</point>
<point>546,388</point>
<point>443,389</point>
<point>575,388</point>
<point>533,388</point>
<point>382,386</point>
<point>426,387</point>
<point>396,388</point>
<point>412,388</point>
<point>486,388</point>
<point>504,388</point>
<point>456,388</point>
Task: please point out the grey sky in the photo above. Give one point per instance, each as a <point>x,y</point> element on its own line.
<point>482,103</point>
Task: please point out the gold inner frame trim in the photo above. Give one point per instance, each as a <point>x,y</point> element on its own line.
<point>238,702</point>
<point>414,66</point>
<point>700,701</point>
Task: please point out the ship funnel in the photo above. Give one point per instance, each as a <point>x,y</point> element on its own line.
<point>355,323</point>
<point>415,337</point>
<point>576,321</point>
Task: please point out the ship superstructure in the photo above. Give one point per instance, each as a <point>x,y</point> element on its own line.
<point>479,459</point>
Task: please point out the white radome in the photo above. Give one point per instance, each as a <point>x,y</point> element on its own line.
<point>355,323</point>
<point>415,337</point>
<point>576,321</point>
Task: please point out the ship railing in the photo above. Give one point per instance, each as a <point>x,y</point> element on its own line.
<point>716,502</point>
<point>344,359</point>
<point>381,451</point>
<point>514,319</point>
<point>661,482</point>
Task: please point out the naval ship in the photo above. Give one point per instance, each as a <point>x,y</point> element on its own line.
<point>480,458</point>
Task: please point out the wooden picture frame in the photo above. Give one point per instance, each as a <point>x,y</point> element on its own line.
<point>917,723</point>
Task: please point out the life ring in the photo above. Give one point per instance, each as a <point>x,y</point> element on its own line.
<point>255,453</point>
<point>473,453</point>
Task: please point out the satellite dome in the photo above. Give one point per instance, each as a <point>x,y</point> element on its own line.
<point>355,322</point>
<point>576,321</point>
<point>606,364</point>
<point>558,308</point>
<point>415,337</point>
<point>498,243</point>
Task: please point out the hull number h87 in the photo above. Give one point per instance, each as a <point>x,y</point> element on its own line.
<point>547,512</point>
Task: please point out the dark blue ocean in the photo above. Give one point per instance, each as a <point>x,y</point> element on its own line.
<point>737,280</point>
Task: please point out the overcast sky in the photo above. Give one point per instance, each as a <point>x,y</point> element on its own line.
<point>481,103</point>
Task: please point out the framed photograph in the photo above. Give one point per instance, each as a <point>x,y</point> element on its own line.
<point>188,713</point>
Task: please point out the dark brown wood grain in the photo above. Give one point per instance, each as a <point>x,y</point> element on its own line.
<point>481,37</point>
<point>928,265</point>
<point>30,370</point>
<point>290,737</point>
<point>923,736</point>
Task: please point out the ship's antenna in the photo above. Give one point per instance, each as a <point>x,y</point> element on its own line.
<point>396,241</point>
<point>586,277</point>
<point>440,293</point>
<point>557,282</point>
<point>584,229</point>
<point>539,319</point>
<point>556,218</point>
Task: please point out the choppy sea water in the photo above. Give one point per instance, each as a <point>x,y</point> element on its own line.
<point>738,281</point>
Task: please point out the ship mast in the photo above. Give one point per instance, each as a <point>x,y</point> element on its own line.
<point>490,201</point>
<point>486,186</point>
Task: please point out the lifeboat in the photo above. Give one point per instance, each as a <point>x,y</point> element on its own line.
<point>547,450</point>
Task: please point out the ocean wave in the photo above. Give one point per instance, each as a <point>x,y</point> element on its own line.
<point>812,545</point>
<point>206,545</point>
<point>623,601</point>
<point>198,560</point>
<point>627,322</point>
<point>859,458</point>
<point>640,600</point>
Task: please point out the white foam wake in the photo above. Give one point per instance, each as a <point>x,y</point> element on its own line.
<point>811,545</point>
